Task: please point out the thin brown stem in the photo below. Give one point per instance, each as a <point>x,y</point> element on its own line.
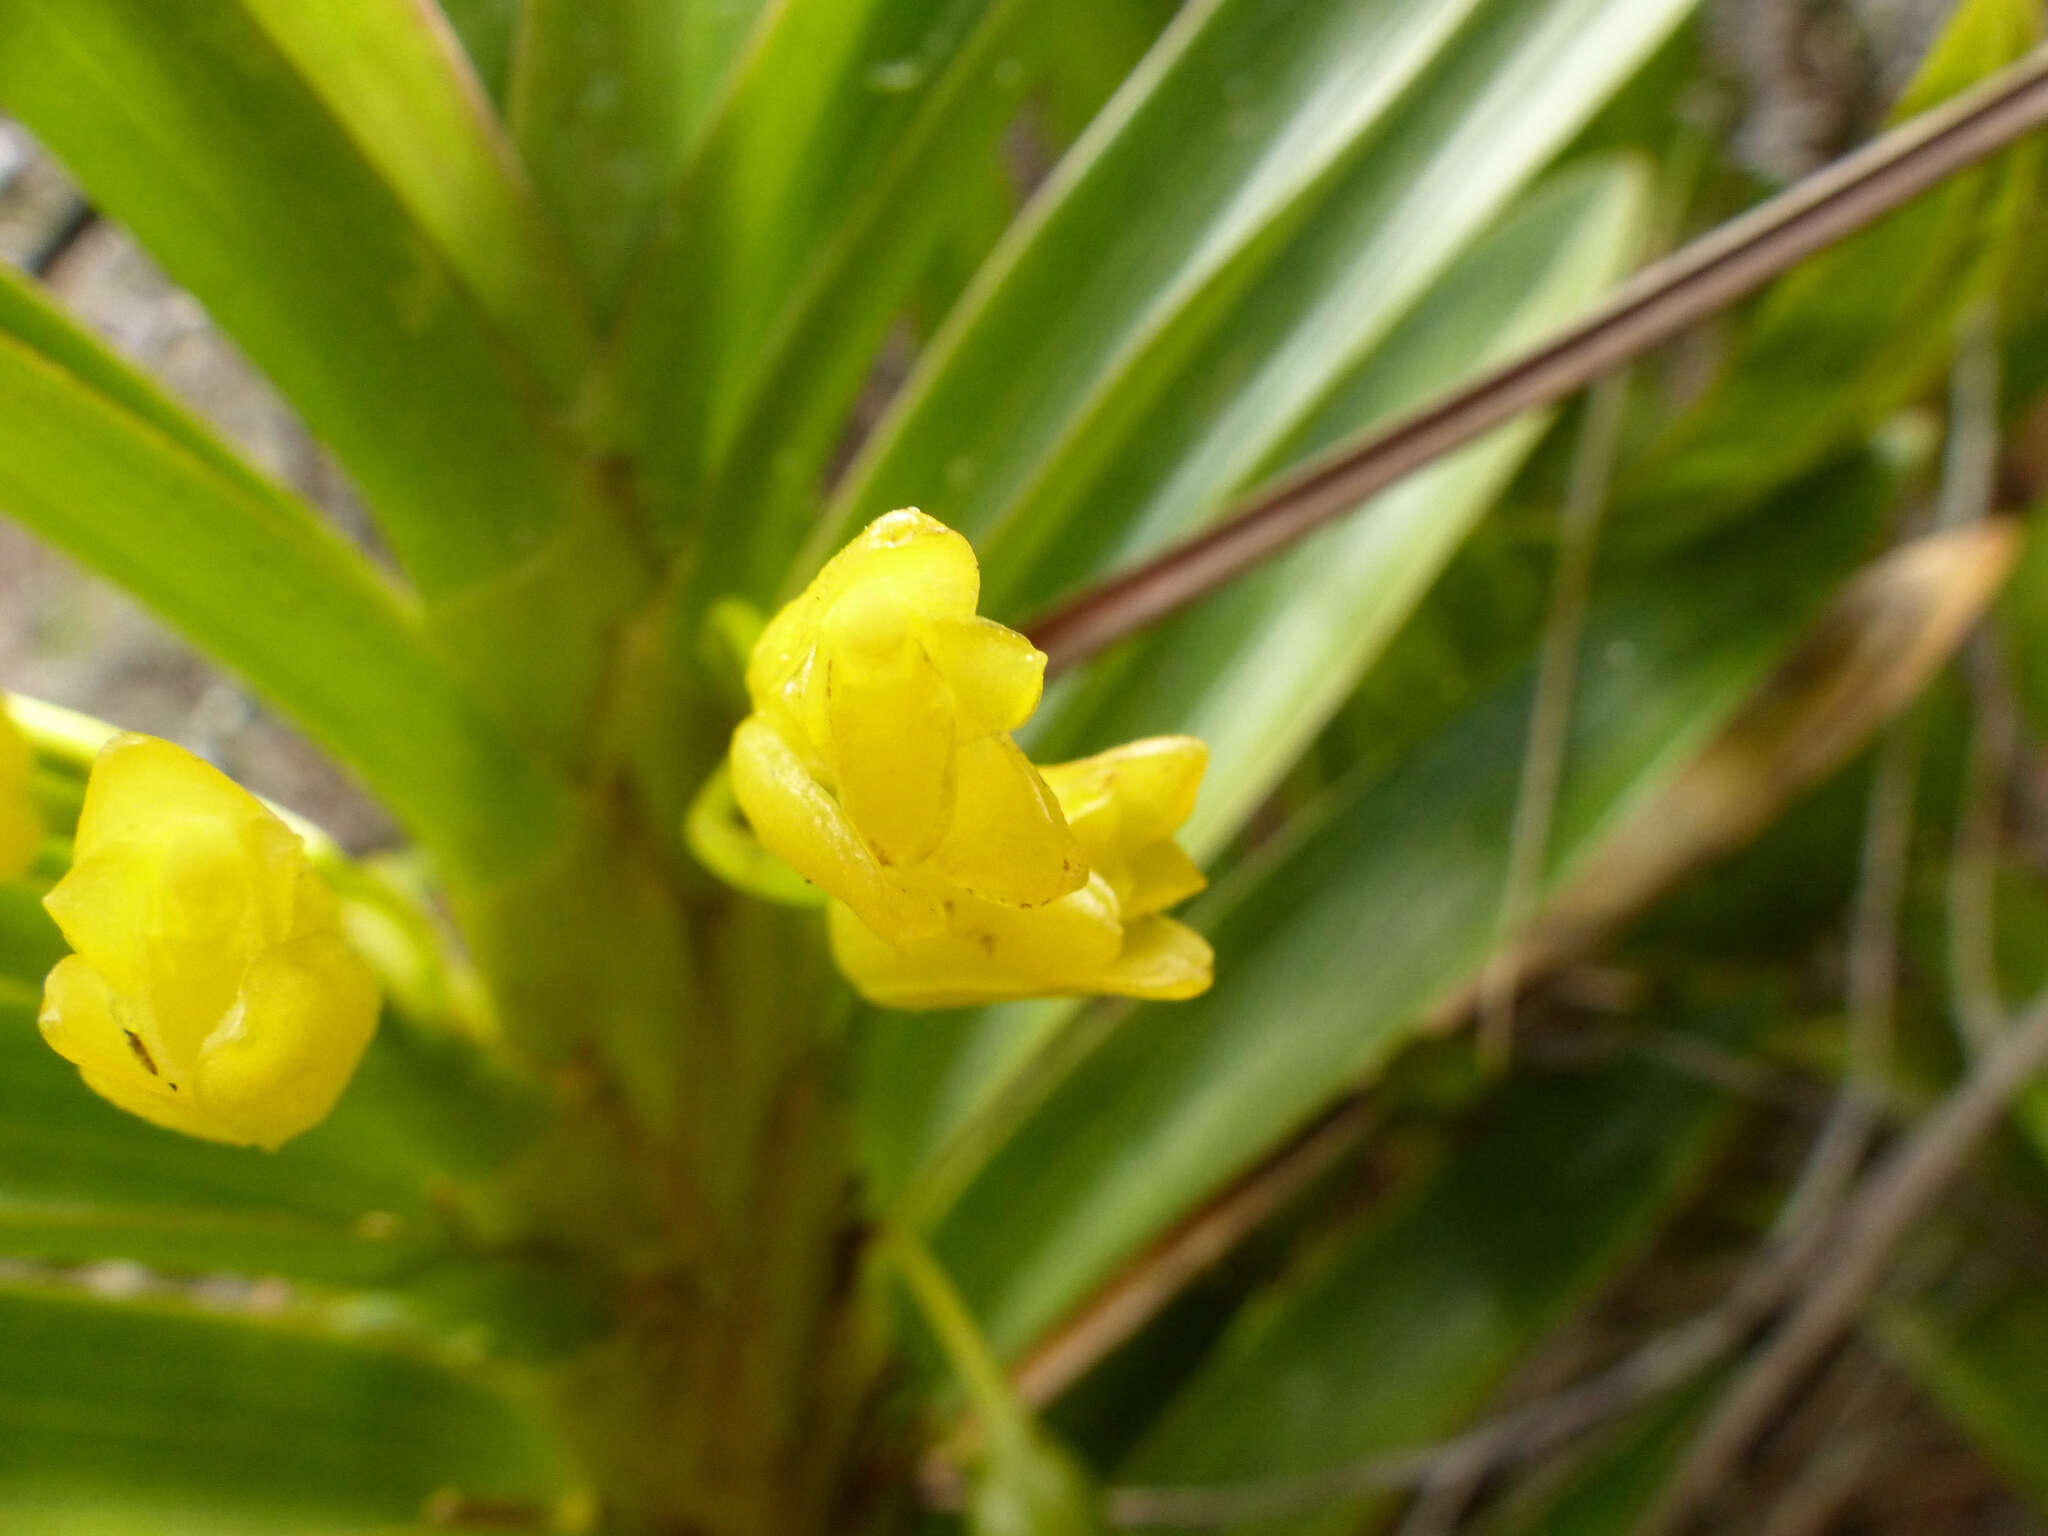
<point>1701,278</point>
<point>1873,964</point>
<point>1860,1247</point>
<point>1139,1293</point>
<point>1550,718</point>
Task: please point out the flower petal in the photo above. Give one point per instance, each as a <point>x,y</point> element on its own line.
<point>798,821</point>
<point>996,675</point>
<point>987,952</point>
<point>277,1063</point>
<point>1008,842</point>
<point>1161,959</point>
<point>923,563</point>
<point>891,721</point>
<point>1120,800</point>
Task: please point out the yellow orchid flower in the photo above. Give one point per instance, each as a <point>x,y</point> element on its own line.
<point>1110,936</point>
<point>212,991</point>
<point>878,763</point>
<point>21,824</point>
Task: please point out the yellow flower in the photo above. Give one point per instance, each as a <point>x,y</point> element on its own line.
<point>212,991</point>
<point>21,824</point>
<point>878,762</point>
<point>1109,936</point>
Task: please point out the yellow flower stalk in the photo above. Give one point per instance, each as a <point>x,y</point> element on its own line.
<point>1123,807</point>
<point>21,824</point>
<point>212,992</point>
<point>878,764</point>
<point>878,761</point>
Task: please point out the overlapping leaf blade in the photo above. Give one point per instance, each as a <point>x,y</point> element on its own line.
<point>1251,137</point>
<point>1398,1335</point>
<point>159,1418</point>
<point>597,105</point>
<point>1257,670</point>
<point>937,193</point>
<point>95,460</point>
<point>1332,950</point>
<point>392,74</point>
<point>486,28</point>
<point>418,341</point>
<point>815,188</point>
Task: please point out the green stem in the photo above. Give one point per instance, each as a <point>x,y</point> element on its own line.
<point>958,1335</point>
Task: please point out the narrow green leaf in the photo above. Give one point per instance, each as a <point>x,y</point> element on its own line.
<point>195,126</point>
<point>162,1419</point>
<point>486,28</point>
<point>393,75</point>
<point>608,102</point>
<point>1336,944</point>
<point>716,38</point>
<point>1415,120</point>
<point>829,123</point>
<point>1400,1334</point>
<point>94,460</point>
<point>597,106</point>
<point>938,185</point>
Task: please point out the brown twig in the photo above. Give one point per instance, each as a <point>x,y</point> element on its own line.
<point>1139,1292</point>
<point>1969,487</point>
<point>1849,1437</point>
<point>1703,277</point>
<point>1846,1255</point>
<point>1859,1247</point>
<point>1873,963</point>
<point>1557,661</point>
<point>1519,1435</point>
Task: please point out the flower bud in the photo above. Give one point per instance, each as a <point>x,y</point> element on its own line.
<point>878,762</point>
<point>212,991</point>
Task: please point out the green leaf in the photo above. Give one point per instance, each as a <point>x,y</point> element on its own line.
<point>597,107</point>
<point>486,29</point>
<point>161,1419</point>
<point>1339,940</point>
<point>93,459</point>
<point>1173,220</point>
<point>367,247</point>
<point>1257,670</point>
<point>801,220</point>
<point>1402,1333</point>
<point>393,75</point>
<point>911,240</point>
